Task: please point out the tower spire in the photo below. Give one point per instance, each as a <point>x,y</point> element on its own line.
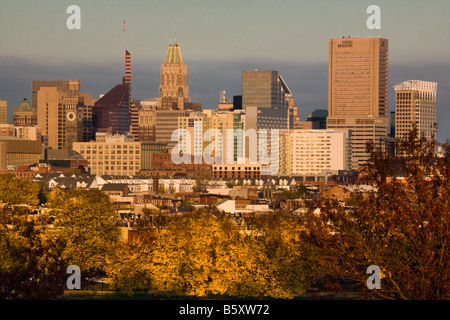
<point>124,36</point>
<point>175,27</point>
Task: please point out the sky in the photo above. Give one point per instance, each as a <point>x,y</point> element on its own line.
<point>218,39</point>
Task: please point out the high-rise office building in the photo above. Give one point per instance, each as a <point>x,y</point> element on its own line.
<point>111,112</point>
<point>60,107</point>
<point>115,112</point>
<point>173,89</point>
<point>358,77</point>
<point>357,92</point>
<point>3,111</point>
<point>263,88</point>
<point>415,102</point>
<point>167,123</point>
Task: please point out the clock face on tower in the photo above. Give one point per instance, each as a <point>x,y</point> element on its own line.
<point>80,116</point>
<point>71,116</point>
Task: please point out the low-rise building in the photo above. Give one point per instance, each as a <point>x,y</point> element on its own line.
<point>113,154</point>
<point>19,152</point>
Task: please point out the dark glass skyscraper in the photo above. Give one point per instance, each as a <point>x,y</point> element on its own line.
<point>262,88</point>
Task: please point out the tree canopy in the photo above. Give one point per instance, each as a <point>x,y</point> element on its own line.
<point>403,226</point>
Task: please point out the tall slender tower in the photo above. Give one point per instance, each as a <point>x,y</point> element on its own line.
<point>133,110</point>
<point>173,89</point>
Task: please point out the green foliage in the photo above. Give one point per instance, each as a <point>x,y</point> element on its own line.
<point>301,192</point>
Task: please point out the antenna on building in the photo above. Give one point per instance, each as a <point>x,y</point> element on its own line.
<point>124,36</point>
<point>175,27</point>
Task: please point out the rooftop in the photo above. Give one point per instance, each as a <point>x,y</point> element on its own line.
<point>114,97</point>
<point>173,54</point>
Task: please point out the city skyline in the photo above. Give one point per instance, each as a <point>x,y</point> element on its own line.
<point>218,41</point>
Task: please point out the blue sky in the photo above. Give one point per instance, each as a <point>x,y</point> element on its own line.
<point>218,40</point>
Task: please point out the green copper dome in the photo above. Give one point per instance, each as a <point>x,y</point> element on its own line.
<point>173,54</point>
<point>24,106</point>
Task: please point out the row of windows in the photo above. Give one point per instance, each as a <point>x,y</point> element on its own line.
<point>112,152</point>
<point>107,146</point>
<point>234,168</point>
<point>107,168</point>
<point>112,158</point>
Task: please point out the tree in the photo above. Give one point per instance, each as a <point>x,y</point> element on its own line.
<point>279,267</point>
<point>31,266</point>
<point>201,181</point>
<point>15,190</point>
<point>202,254</point>
<point>85,223</point>
<point>403,226</point>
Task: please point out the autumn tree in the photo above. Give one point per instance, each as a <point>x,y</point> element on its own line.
<point>402,226</point>
<point>31,266</point>
<point>14,190</point>
<point>204,254</point>
<point>275,264</point>
<point>85,223</point>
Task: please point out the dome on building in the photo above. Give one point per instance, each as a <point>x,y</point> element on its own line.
<point>24,106</point>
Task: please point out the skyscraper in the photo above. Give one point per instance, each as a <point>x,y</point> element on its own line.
<point>173,89</point>
<point>60,113</point>
<point>358,77</point>
<point>115,111</point>
<point>415,102</point>
<point>263,88</point>
<point>357,92</point>
<point>111,112</point>
<point>133,108</point>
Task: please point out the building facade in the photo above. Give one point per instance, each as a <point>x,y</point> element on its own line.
<point>147,124</point>
<point>220,133</point>
<point>111,113</point>
<point>415,103</point>
<point>60,111</point>
<point>116,154</point>
<point>358,77</point>
<point>167,123</point>
<point>173,89</point>
<point>311,152</point>
<point>357,92</point>
<point>15,152</point>
<point>263,88</point>
<point>3,112</point>
<point>24,114</point>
